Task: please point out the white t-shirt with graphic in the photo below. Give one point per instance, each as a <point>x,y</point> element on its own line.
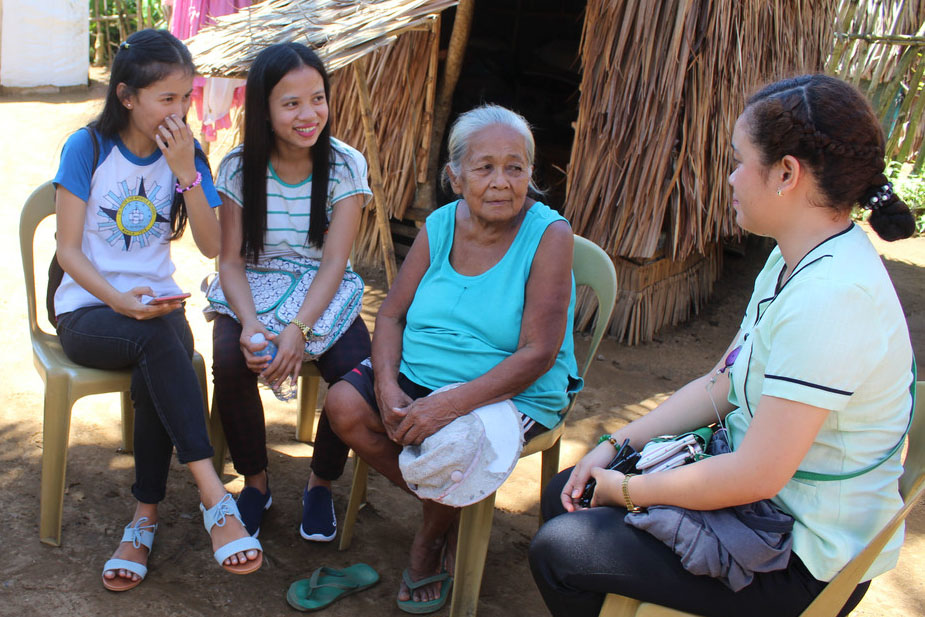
<point>127,223</point>
<point>289,205</point>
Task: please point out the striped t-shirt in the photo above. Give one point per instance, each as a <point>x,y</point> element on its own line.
<point>289,205</point>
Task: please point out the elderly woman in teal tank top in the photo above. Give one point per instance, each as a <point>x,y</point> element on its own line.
<point>485,298</point>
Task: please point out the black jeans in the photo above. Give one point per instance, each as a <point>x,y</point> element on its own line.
<point>579,557</point>
<point>236,398</point>
<point>165,390</point>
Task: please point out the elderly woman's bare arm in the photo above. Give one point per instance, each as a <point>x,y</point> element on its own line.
<point>390,325</point>
<point>542,330</point>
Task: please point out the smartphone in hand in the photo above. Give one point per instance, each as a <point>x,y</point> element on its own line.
<point>624,461</point>
<point>172,298</point>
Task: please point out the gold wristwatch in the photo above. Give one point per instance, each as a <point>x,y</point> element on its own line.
<point>306,330</point>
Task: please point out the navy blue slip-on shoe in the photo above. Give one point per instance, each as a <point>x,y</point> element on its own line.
<point>252,504</point>
<point>318,521</point>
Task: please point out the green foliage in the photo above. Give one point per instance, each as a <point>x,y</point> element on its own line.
<point>910,187</point>
<point>119,19</point>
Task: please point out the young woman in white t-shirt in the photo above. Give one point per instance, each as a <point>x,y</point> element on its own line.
<point>125,188</point>
<point>290,190</point>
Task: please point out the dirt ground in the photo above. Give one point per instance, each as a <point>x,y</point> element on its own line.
<point>35,579</point>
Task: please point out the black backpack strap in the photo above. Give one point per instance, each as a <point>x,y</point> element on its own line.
<point>55,271</point>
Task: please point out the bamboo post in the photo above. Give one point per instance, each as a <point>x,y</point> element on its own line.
<point>375,170</point>
<point>423,156</point>
<point>99,44</point>
<point>123,26</point>
<point>424,199</point>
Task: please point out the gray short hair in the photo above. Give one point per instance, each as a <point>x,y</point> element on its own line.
<point>473,121</point>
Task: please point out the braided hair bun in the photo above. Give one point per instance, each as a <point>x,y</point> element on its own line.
<point>830,127</point>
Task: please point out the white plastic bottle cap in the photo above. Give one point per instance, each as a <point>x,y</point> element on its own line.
<point>258,338</point>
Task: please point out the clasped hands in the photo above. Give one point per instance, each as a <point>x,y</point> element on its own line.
<point>409,422</point>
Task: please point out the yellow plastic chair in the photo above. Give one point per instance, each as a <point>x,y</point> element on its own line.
<point>594,268</point>
<point>65,381</point>
<point>836,593</point>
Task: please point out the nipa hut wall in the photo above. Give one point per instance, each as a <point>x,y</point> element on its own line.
<point>398,79</point>
<point>662,85</point>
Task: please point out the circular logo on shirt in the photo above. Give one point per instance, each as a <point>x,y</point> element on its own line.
<point>136,215</point>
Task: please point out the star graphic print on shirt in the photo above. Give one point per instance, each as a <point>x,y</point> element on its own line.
<point>127,202</point>
<point>135,213</point>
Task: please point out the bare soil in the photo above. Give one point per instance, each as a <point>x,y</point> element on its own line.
<point>623,383</point>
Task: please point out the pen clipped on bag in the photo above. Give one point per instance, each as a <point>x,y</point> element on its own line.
<point>623,461</point>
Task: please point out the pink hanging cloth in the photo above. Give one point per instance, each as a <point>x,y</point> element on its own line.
<point>213,97</point>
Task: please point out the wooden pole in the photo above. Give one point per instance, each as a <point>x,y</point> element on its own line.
<point>424,198</point>
<point>423,156</point>
<point>99,44</point>
<point>375,170</point>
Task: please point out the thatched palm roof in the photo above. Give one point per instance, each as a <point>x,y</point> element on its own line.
<point>340,30</point>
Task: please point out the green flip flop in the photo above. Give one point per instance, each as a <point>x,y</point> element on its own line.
<point>327,585</point>
<point>427,606</point>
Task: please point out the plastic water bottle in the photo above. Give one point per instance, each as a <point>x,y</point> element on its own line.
<point>286,390</point>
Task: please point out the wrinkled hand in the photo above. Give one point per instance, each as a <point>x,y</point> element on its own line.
<point>392,401</point>
<point>254,362</point>
<point>597,459</point>
<point>424,417</point>
<point>290,350</point>
<point>176,142</point>
<point>129,303</point>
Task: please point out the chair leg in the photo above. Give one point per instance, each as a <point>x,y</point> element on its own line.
<point>549,468</point>
<point>128,423</point>
<point>57,424</point>
<point>199,365</point>
<point>308,404</point>
<point>357,499</point>
<point>474,535</point>
<point>619,606</point>
<point>217,436</point>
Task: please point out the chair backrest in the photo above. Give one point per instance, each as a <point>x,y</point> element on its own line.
<point>914,464</point>
<point>39,206</point>
<point>594,268</point>
<point>912,488</point>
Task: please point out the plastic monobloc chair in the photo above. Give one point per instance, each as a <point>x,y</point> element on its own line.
<point>836,593</point>
<point>592,267</point>
<point>65,381</point>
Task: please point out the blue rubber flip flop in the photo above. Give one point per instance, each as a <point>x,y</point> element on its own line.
<point>426,606</point>
<point>326,585</point>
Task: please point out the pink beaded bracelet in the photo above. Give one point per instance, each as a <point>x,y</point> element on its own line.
<point>191,186</point>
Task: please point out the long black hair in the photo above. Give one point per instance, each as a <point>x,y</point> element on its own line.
<point>144,58</point>
<point>270,66</point>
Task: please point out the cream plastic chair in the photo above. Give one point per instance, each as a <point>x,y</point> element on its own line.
<point>594,268</point>
<point>65,381</point>
<point>836,593</point>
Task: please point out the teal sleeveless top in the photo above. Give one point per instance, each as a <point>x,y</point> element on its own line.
<point>460,327</point>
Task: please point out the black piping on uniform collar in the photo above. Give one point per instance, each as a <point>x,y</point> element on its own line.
<point>779,288</point>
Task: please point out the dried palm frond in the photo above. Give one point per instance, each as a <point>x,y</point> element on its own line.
<point>339,30</point>
<point>662,85</point>
<point>880,47</point>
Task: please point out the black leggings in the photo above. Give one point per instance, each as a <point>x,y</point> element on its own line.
<point>579,557</point>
